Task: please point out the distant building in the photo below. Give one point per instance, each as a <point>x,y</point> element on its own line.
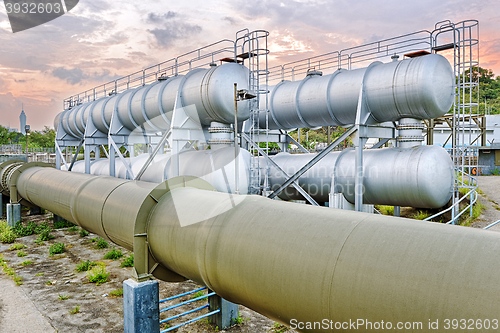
<point>22,119</point>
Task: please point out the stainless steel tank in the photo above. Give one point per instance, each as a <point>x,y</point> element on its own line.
<point>420,88</point>
<point>210,90</point>
<point>415,177</point>
<point>215,166</point>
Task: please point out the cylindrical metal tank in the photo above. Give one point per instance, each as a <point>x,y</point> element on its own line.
<point>292,263</point>
<point>211,91</point>
<point>420,177</point>
<point>215,166</point>
<point>420,88</point>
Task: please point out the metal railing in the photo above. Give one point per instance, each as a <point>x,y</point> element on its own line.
<point>353,57</point>
<point>186,312</point>
<point>472,194</point>
<point>199,58</point>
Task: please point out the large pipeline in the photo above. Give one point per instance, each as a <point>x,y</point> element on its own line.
<point>419,88</point>
<point>292,263</point>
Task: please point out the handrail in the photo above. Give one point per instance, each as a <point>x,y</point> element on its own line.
<point>472,193</point>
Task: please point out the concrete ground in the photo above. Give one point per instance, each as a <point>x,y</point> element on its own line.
<point>489,187</point>
<point>18,314</point>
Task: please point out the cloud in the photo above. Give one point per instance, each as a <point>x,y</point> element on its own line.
<point>155,18</point>
<point>76,75</point>
<point>173,27</point>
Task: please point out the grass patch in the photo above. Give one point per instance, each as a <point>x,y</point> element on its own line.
<point>26,263</point>
<point>279,328</point>
<point>198,294</point>
<point>44,233</point>
<point>385,210</point>
<point>57,248</point>
<point>49,283</point>
<point>101,244</point>
<point>98,274</point>
<point>63,297</point>
<point>21,254</point>
<point>85,265</point>
<point>477,209</point>
<point>128,262</point>
<point>495,172</point>
<point>7,234</point>
<point>421,215</point>
<point>17,246</point>
<point>114,254</point>
<point>240,320</point>
<point>10,272</point>
<point>39,274</point>
<point>61,223</point>
<point>73,229</point>
<point>23,231</point>
<point>117,293</point>
<point>75,310</point>
<point>84,233</point>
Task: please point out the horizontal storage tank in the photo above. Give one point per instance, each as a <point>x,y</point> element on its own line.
<point>414,177</point>
<point>420,88</point>
<point>211,91</point>
<point>215,166</point>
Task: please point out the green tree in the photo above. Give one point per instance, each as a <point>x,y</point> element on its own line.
<point>6,137</point>
<point>42,139</point>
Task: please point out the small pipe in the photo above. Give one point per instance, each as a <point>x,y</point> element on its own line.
<point>491,225</point>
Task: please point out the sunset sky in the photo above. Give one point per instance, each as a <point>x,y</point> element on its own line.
<point>100,40</point>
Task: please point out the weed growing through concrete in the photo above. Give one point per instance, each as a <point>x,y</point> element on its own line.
<point>63,297</point>
<point>21,254</point>
<point>114,254</point>
<point>101,244</point>
<point>17,246</point>
<point>98,274</point>
<point>75,310</point>
<point>117,293</point>
<point>83,233</point>
<point>10,272</point>
<point>26,263</point>
<point>85,265</point>
<point>128,262</point>
<point>57,248</point>
<point>7,234</point>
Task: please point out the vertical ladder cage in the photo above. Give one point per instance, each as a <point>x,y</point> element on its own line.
<point>462,42</point>
<point>254,50</point>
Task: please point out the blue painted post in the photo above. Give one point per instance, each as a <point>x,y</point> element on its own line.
<point>141,309</point>
<point>228,314</point>
<point>13,214</point>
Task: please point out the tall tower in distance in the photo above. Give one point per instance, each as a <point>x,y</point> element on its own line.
<point>22,119</point>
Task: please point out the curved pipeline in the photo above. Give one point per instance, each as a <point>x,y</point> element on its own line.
<point>420,88</point>
<point>149,106</point>
<point>286,261</point>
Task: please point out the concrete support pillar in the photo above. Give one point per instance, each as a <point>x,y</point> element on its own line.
<point>13,214</point>
<point>397,211</point>
<point>141,309</point>
<point>228,314</point>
